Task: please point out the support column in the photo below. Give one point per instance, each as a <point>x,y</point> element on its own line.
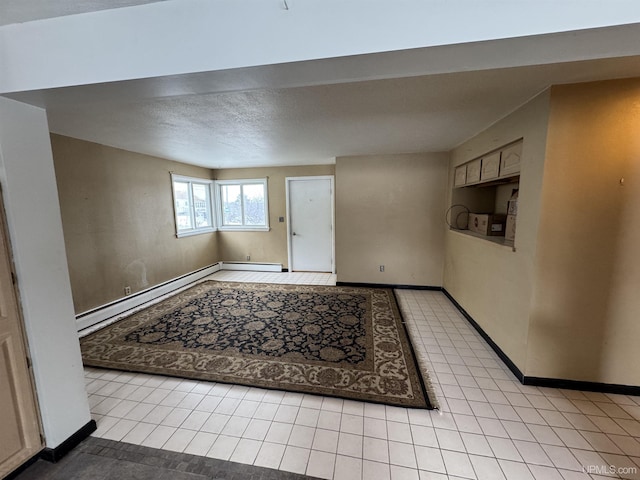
<point>30,194</point>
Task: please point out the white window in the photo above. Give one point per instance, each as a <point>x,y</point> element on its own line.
<point>193,205</point>
<point>242,204</point>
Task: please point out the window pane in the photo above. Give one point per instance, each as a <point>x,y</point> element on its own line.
<point>201,205</point>
<point>183,208</point>
<point>231,207</point>
<point>254,209</point>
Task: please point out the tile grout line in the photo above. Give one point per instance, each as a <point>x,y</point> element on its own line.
<point>454,355</point>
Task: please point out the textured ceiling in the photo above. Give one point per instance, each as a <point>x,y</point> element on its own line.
<point>311,112</point>
<point>314,124</point>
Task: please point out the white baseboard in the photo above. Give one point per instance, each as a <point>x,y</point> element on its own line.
<point>118,307</point>
<point>251,266</point>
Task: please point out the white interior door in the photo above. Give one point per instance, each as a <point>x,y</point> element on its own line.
<point>310,228</point>
<point>19,425</point>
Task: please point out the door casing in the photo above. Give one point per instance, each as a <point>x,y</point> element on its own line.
<point>288,180</point>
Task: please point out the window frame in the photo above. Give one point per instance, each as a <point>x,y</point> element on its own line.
<point>219,204</point>
<point>212,210</point>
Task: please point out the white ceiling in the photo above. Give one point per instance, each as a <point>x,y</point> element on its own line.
<point>12,11</point>
<point>266,116</point>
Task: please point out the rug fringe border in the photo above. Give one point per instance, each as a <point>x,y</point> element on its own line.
<point>427,385</point>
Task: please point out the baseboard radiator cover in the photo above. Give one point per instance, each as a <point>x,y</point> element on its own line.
<point>126,304</point>
<point>251,266</point>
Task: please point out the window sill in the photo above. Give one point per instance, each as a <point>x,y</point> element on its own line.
<point>190,233</point>
<point>244,229</point>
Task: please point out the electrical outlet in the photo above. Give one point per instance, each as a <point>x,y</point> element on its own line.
<point>248,258</point>
<point>382,268</point>
<point>127,290</point>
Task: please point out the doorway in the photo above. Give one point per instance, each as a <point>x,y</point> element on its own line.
<point>19,420</point>
<point>310,226</point>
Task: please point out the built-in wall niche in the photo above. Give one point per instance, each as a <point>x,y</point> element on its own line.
<point>486,185</point>
<point>495,167</point>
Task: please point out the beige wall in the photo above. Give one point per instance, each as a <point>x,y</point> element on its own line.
<point>584,319</point>
<point>390,211</point>
<point>491,282</point>
<point>117,215</point>
<point>564,304</point>
<point>271,246</point>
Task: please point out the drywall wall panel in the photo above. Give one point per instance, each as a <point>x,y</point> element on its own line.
<point>585,309</point>
<point>390,211</point>
<point>35,229</point>
<point>494,283</point>
<point>118,219</point>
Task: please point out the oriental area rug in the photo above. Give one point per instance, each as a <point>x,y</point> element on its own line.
<point>347,342</point>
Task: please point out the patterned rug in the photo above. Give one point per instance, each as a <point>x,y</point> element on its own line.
<point>346,342</point>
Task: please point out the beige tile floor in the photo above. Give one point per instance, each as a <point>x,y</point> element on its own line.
<point>489,426</point>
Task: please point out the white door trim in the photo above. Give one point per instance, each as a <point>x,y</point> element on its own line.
<point>331,178</point>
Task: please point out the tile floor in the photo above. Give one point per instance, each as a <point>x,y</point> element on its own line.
<point>103,459</point>
<point>489,426</point>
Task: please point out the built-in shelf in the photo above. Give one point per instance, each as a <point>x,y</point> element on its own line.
<point>484,186</point>
<point>500,181</point>
<point>496,240</point>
